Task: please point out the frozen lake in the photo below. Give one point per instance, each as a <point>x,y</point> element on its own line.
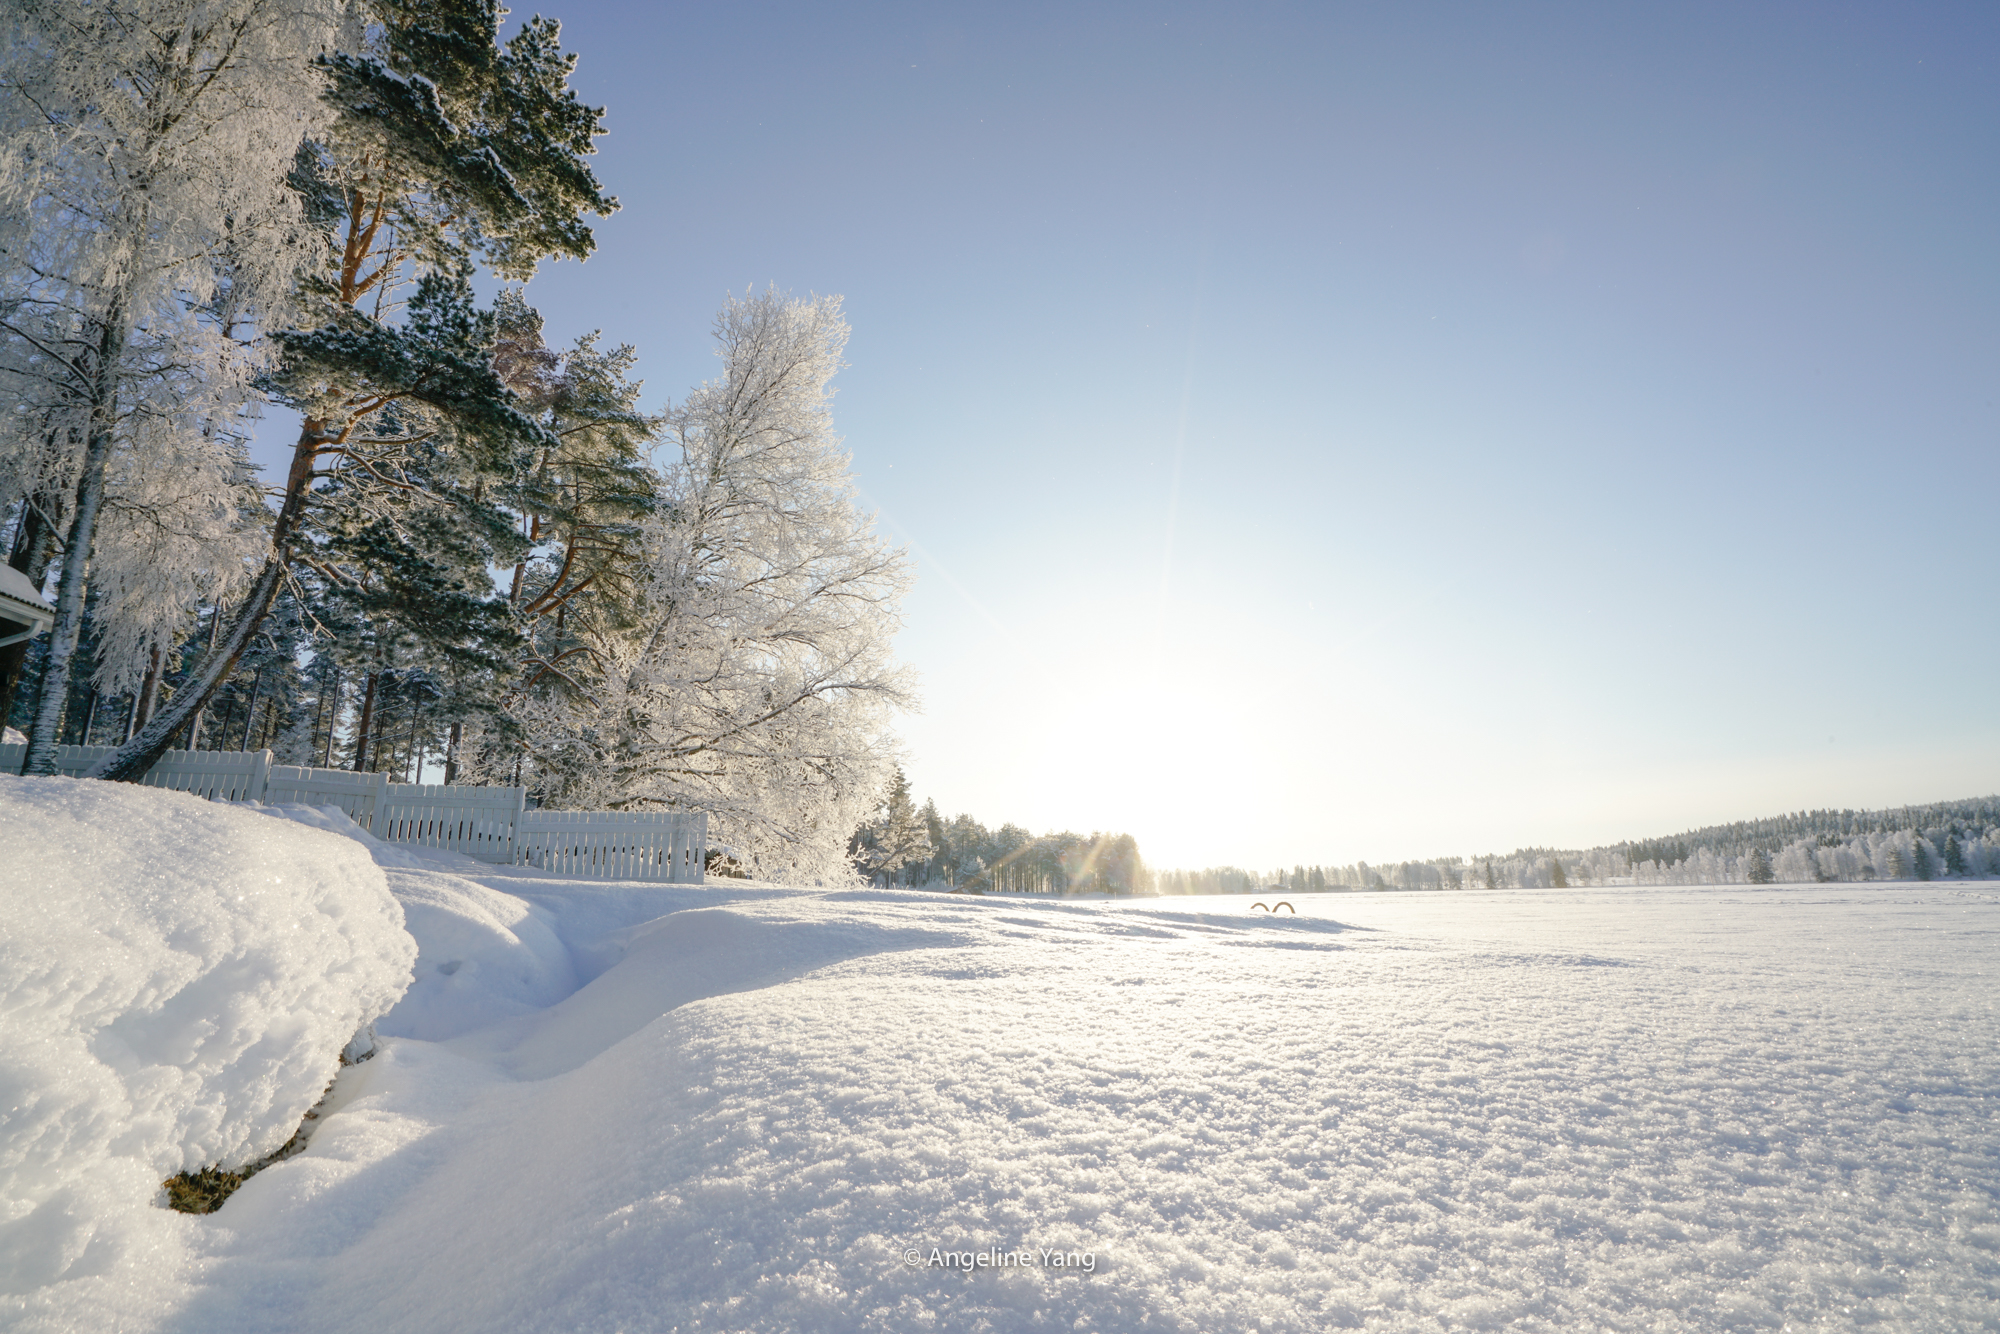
<point>1657,1109</point>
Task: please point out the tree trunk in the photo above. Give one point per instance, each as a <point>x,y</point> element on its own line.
<point>451,756</point>
<point>250,710</point>
<point>363,724</point>
<point>149,691</point>
<point>42,737</point>
<point>416,761</point>
<point>332,721</point>
<point>130,762</point>
<point>194,724</point>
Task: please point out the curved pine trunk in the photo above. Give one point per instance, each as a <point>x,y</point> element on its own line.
<point>131,761</point>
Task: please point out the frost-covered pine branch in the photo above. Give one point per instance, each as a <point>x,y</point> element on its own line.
<point>442,149</point>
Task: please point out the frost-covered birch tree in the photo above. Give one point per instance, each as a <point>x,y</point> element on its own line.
<point>752,676</point>
<point>143,148</point>
<point>446,149</point>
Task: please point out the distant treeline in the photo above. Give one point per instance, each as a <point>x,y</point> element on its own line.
<point>1955,839</point>
<point>904,844</point>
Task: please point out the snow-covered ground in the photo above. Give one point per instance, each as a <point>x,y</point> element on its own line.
<point>741,1107</point>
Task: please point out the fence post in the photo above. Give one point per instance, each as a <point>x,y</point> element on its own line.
<point>514,825</point>
<point>260,778</point>
<point>378,798</point>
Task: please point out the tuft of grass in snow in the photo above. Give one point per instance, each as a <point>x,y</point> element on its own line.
<point>204,1191</point>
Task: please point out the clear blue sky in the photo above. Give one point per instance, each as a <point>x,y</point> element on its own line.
<point>1334,433</point>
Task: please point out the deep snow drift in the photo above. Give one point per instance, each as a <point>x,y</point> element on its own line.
<point>740,1107</point>
<point>177,982</point>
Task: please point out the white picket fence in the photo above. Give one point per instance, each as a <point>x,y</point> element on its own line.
<point>360,795</point>
<point>614,845</point>
<point>480,822</point>
<point>218,775</point>
<point>489,823</point>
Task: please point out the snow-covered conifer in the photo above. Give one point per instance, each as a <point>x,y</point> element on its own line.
<point>897,839</point>
<point>445,149</point>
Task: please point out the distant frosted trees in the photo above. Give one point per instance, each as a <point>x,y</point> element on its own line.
<point>1909,843</point>
<point>918,847</point>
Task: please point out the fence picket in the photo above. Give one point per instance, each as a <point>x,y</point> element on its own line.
<point>477,821</point>
<point>216,775</point>
<point>71,761</point>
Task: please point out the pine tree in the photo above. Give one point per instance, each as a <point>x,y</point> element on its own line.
<point>582,504</point>
<point>896,838</point>
<point>940,839</point>
<point>1954,855</point>
<point>446,149</point>
<point>1759,872</point>
<point>1556,876</point>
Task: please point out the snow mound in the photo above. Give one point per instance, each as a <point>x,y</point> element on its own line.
<point>684,957</point>
<point>177,980</point>
<point>481,956</point>
<point>403,857</point>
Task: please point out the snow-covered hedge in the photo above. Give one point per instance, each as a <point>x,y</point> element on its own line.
<point>177,980</point>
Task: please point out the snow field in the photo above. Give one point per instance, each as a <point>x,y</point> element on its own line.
<point>743,1107</point>
<point>177,981</point>
<point>1668,1113</point>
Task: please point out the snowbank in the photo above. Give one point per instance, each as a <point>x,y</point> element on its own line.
<point>177,980</point>
<point>481,955</point>
<point>408,857</point>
